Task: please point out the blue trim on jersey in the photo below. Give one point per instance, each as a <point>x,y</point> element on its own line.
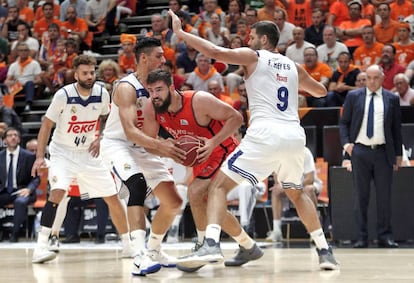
<point>248,176</point>
<point>142,92</point>
<point>79,100</point>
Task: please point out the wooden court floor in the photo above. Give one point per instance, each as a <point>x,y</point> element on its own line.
<point>87,262</point>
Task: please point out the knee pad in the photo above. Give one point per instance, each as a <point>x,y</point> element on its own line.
<point>137,187</point>
<point>48,214</point>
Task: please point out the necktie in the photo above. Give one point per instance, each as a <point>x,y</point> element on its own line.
<point>10,175</point>
<point>370,121</point>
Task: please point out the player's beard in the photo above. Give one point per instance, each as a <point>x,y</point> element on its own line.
<point>163,108</point>
<point>86,84</point>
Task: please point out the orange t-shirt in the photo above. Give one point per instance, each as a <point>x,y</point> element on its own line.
<point>300,14</point>
<point>39,12</point>
<point>69,60</point>
<point>405,54</point>
<point>127,63</point>
<point>356,40</point>
<point>41,26</point>
<point>399,12</point>
<point>365,57</point>
<point>26,14</point>
<point>79,25</point>
<point>386,34</point>
<point>341,12</point>
<point>321,70</point>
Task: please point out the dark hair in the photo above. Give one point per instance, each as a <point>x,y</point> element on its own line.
<point>47,4</point>
<point>53,25</point>
<point>345,53</point>
<point>394,50</point>
<point>160,75</point>
<point>313,48</point>
<point>11,129</point>
<point>269,29</point>
<point>83,60</point>
<point>146,45</point>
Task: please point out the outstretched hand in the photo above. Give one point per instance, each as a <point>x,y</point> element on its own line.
<point>176,23</point>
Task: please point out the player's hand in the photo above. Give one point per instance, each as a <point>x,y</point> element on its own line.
<point>205,151</point>
<point>170,149</point>
<point>94,147</point>
<point>176,23</point>
<point>37,165</point>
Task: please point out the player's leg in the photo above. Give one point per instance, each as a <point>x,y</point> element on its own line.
<point>197,197</point>
<point>277,208</point>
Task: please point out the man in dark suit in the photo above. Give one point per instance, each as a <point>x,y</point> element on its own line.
<point>370,131</point>
<point>17,186</point>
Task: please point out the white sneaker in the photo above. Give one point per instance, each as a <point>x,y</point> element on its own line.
<point>172,239</point>
<point>130,251</point>
<point>143,264</point>
<point>42,254</point>
<point>164,259</point>
<point>274,236</point>
<point>54,244</point>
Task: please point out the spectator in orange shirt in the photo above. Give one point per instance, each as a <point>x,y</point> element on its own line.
<point>40,14</point>
<point>351,30</point>
<point>401,9</point>
<point>266,13</point>
<point>42,25</point>
<point>386,31</point>
<point>201,21</point>
<point>338,12</point>
<point>368,11</point>
<point>127,59</point>
<point>342,81</point>
<point>369,52</point>
<point>404,46</point>
<point>317,70</point>
<point>25,12</point>
<point>299,12</point>
<point>77,28</point>
<point>214,88</point>
<point>243,31</point>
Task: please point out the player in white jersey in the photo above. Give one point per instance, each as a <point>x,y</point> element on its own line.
<point>124,149</point>
<point>76,110</point>
<point>274,140</point>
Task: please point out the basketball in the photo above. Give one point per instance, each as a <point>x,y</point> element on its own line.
<point>190,144</point>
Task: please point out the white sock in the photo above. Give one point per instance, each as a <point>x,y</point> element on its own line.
<point>277,224</point>
<point>126,240</point>
<point>213,232</point>
<point>244,240</point>
<point>138,238</point>
<point>319,238</point>
<point>154,241</point>
<point>43,236</point>
<point>200,236</point>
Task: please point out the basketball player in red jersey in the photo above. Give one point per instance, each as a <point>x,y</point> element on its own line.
<point>199,114</point>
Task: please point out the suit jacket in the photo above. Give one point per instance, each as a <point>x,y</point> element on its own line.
<point>23,171</point>
<point>353,113</point>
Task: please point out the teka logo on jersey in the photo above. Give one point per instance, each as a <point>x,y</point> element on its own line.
<point>81,127</point>
<point>281,78</point>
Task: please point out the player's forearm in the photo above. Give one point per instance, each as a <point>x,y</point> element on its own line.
<point>204,46</point>
<point>230,127</point>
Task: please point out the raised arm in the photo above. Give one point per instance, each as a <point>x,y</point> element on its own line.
<point>306,82</point>
<point>238,56</point>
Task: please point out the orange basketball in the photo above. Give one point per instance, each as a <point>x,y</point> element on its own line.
<point>190,144</point>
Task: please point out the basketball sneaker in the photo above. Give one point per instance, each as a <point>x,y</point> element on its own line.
<point>143,264</point>
<point>274,236</point>
<point>130,251</point>
<point>54,244</point>
<point>245,255</point>
<point>42,254</point>
<point>164,259</point>
<point>209,252</point>
<point>196,247</point>
<point>327,260</point>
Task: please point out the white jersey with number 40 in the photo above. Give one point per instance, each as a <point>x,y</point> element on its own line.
<point>77,117</point>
